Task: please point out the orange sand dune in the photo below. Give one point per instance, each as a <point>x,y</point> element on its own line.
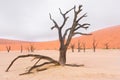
<point>16,45</point>
<point>109,35</point>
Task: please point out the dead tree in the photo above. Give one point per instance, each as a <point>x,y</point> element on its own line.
<point>84,46</point>
<point>94,44</point>
<point>8,48</point>
<point>28,49</point>
<point>79,47</point>
<point>21,48</point>
<point>64,38</point>
<point>32,48</point>
<point>106,45</point>
<point>72,47</point>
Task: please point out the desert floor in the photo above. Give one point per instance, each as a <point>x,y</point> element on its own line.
<point>101,65</point>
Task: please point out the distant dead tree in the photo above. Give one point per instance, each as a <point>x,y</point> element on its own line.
<point>79,46</point>
<point>65,36</point>
<point>94,44</point>
<point>32,48</point>
<point>106,45</point>
<point>28,49</point>
<point>84,46</point>
<point>72,47</point>
<point>21,48</point>
<point>8,48</point>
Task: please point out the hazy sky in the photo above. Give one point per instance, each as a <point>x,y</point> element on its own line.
<point>29,19</point>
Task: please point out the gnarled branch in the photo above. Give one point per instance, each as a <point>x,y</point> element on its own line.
<point>64,16</point>
<point>55,23</point>
<point>66,11</point>
<point>79,9</point>
<point>75,33</point>
<point>85,26</point>
<point>34,56</point>
<point>84,15</point>
<point>66,31</point>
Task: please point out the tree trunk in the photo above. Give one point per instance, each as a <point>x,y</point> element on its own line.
<point>62,57</point>
<point>78,49</point>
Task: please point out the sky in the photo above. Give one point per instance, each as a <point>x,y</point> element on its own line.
<point>29,19</point>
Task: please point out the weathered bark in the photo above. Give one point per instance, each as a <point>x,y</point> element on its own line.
<point>62,57</point>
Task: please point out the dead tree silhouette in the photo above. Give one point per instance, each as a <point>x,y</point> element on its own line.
<point>84,46</point>
<point>106,45</point>
<point>72,47</point>
<point>21,48</point>
<point>79,46</point>
<point>8,48</point>
<point>64,38</point>
<point>32,48</point>
<point>94,44</point>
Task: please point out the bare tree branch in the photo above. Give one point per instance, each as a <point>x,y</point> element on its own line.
<point>79,9</point>
<point>85,26</point>
<point>64,16</point>
<point>75,33</point>
<point>84,15</point>
<point>55,23</point>
<point>65,20</point>
<point>66,31</point>
<point>34,56</point>
<point>74,26</point>
<point>66,11</point>
<point>35,66</point>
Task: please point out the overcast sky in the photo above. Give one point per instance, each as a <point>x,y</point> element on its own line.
<point>29,19</point>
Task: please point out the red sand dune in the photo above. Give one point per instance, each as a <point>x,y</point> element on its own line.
<point>109,35</point>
